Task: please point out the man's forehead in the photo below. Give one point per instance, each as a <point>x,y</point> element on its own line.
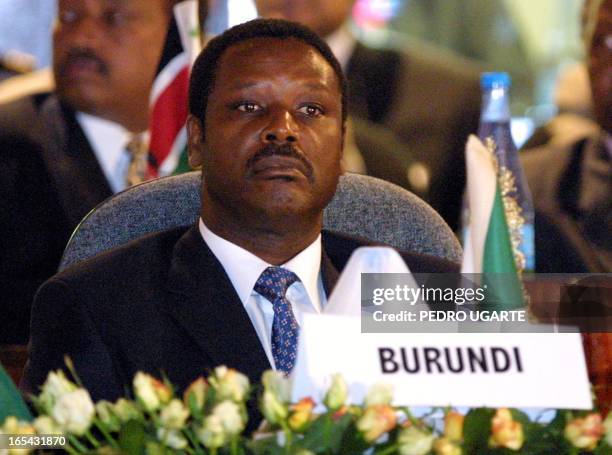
<point>270,46</point>
<point>258,53</point>
<point>116,3</point>
<point>605,14</point>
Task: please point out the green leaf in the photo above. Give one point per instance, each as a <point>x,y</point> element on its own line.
<point>352,441</point>
<point>544,439</point>
<point>603,449</point>
<point>325,434</point>
<point>477,429</point>
<point>195,410</point>
<point>132,438</point>
<point>154,448</point>
<point>266,446</point>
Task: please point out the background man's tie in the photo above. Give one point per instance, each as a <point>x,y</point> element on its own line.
<point>138,171</point>
<point>273,284</point>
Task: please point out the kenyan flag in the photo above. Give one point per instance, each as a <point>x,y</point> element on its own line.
<point>169,96</point>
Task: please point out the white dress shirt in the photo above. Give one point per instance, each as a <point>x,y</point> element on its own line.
<point>244,268</point>
<point>108,141</point>
<point>342,43</point>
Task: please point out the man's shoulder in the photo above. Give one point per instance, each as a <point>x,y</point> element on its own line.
<point>339,248</point>
<point>14,113</point>
<point>147,256</point>
<point>417,57</point>
<point>546,165</point>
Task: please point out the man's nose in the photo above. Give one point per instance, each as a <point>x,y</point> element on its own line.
<point>87,31</point>
<point>281,128</point>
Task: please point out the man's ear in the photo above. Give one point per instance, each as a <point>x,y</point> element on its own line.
<point>195,141</point>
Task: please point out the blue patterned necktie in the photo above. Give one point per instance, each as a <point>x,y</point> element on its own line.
<point>273,284</point>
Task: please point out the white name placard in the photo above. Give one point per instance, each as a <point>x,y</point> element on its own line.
<point>522,370</point>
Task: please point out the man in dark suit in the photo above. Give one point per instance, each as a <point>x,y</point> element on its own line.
<point>62,153</point>
<point>267,116</point>
<point>571,183</point>
<point>427,98</point>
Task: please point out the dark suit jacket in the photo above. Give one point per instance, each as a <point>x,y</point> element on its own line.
<point>49,179</point>
<point>160,303</point>
<point>568,238</point>
<point>431,101</point>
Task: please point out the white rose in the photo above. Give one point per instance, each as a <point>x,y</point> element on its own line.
<point>607,424</point>
<point>172,438</point>
<point>379,394</point>
<point>126,410</point>
<point>57,384</point>
<point>230,417</point>
<point>195,395</point>
<point>14,426</point>
<point>229,384</point>
<point>145,391</point>
<point>272,408</point>
<point>104,410</point>
<point>10,425</point>
<point>174,415</point>
<point>336,394</point>
<point>46,425</point>
<point>278,384</point>
<point>413,441</point>
<point>211,433</point>
<point>74,412</point>
<point>375,421</point>
<point>54,387</point>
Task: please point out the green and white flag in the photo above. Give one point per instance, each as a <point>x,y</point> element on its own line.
<point>11,402</point>
<point>488,248</point>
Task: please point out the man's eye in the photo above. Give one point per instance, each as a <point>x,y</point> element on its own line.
<point>67,16</point>
<point>115,18</point>
<point>311,110</point>
<point>248,107</point>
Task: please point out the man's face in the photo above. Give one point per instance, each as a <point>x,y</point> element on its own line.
<point>322,16</point>
<point>600,67</point>
<point>106,52</point>
<point>272,143</point>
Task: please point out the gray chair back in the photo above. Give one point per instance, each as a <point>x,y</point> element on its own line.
<point>363,206</point>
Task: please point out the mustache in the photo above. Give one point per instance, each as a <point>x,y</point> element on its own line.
<point>82,54</point>
<point>286,150</point>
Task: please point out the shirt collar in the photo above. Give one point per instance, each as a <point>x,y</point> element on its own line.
<point>244,268</point>
<point>108,141</point>
<point>342,42</point>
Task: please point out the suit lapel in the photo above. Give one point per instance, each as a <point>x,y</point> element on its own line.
<point>72,164</point>
<point>329,273</point>
<point>206,305</point>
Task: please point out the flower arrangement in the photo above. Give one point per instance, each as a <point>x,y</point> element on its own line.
<point>210,418</point>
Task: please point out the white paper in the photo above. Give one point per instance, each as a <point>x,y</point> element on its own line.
<point>553,370</point>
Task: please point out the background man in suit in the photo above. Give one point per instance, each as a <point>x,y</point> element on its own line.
<point>429,100</point>
<point>62,153</point>
<point>267,116</point>
<point>571,183</point>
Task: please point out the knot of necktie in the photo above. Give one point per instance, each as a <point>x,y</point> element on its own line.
<point>274,282</point>
<point>138,170</point>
